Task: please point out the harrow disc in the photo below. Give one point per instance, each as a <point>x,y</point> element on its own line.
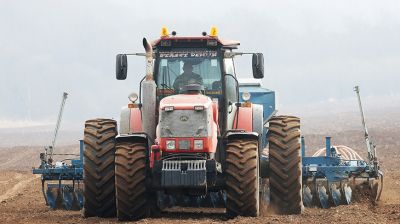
<point>323,196</point>
<point>307,196</point>
<point>53,198</point>
<point>67,197</point>
<point>79,197</point>
<point>336,195</point>
<point>346,193</point>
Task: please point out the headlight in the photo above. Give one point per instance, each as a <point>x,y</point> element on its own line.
<point>246,96</point>
<point>169,108</point>
<point>170,144</point>
<point>198,144</point>
<point>198,108</point>
<point>133,97</point>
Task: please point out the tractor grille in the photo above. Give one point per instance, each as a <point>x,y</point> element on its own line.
<point>184,173</point>
<point>184,165</point>
<point>184,123</point>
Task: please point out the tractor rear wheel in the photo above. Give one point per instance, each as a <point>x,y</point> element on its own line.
<point>242,178</point>
<point>285,165</point>
<point>98,165</point>
<point>134,200</point>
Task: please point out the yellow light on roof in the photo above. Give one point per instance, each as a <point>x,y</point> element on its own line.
<point>164,32</point>
<point>214,31</point>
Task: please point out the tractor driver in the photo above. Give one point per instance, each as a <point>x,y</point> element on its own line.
<point>187,77</point>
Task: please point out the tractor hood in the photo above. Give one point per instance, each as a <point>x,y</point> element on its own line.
<point>185,101</point>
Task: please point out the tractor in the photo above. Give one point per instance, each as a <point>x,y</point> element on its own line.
<point>197,136</point>
<point>192,136</point>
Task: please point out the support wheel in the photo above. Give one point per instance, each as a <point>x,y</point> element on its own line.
<point>134,201</point>
<point>99,189</point>
<point>242,178</point>
<point>285,164</point>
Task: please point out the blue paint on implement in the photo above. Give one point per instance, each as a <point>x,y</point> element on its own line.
<point>62,183</point>
<point>335,172</point>
<point>328,176</point>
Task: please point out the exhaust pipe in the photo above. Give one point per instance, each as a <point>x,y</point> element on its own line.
<point>149,59</point>
<point>149,95</point>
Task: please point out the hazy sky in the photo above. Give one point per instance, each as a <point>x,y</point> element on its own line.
<point>314,50</point>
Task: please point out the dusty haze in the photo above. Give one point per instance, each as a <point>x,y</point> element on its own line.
<point>315,51</point>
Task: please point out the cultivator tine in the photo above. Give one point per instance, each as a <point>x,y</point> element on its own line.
<point>307,196</point>
<point>346,193</point>
<point>336,195</point>
<point>376,186</point>
<point>44,192</point>
<point>323,196</point>
<point>379,187</point>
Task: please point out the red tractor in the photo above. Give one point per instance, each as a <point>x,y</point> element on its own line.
<point>187,139</point>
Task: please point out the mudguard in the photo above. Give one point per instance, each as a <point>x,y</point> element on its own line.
<point>241,134</point>
<point>250,119</point>
<point>258,122</point>
<point>131,120</point>
<point>134,137</point>
<point>243,119</point>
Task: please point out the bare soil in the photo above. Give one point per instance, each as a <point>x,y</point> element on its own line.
<point>21,199</point>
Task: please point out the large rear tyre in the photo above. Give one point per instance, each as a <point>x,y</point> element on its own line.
<point>134,200</point>
<point>285,164</point>
<point>99,189</point>
<point>242,178</point>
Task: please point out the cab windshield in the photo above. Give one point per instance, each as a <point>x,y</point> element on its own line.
<point>184,67</point>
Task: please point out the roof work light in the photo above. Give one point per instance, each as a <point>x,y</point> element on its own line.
<point>164,32</point>
<point>214,31</point>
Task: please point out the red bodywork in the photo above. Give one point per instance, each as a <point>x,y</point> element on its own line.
<point>244,116</point>
<point>183,102</point>
<point>135,123</point>
<point>188,102</point>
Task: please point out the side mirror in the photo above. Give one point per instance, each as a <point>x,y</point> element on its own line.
<point>121,66</point>
<point>258,65</point>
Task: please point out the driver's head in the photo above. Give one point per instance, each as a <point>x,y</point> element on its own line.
<point>187,67</point>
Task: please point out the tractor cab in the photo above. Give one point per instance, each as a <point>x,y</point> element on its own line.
<point>206,60</point>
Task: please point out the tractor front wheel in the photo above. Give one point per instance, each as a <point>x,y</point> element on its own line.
<point>134,200</point>
<point>242,178</point>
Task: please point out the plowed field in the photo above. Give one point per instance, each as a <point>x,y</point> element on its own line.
<point>21,200</point>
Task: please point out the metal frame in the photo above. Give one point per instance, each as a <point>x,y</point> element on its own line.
<point>332,166</point>
<point>69,194</point>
